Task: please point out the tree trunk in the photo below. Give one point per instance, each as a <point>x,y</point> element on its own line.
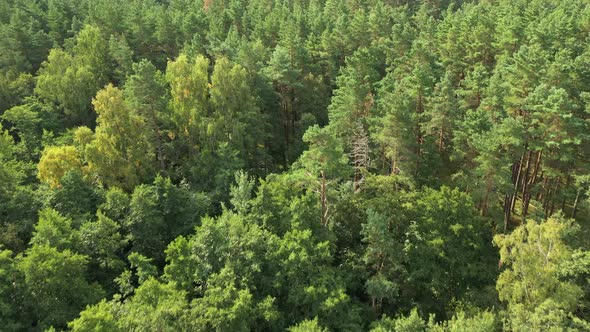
<point>516,180</point>
<point>547,197</point>
<point>525,184</point>
<point>541,193</point>
<point>567,183</point>
<point>533,179</point>
<point>575,207</point>
<point>507,210</point>
<point>537,166</point>
<point>550,207</point>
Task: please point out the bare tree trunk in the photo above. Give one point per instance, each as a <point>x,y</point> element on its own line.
<point>547,196</point>
<point>541,194</point>
<point>567,183</point>
<point>516,180</point>
<point>360,154</point>
<point>533,179</point>
<point>507,210</point>
<point>551,199</point>
<point>525,184</point>
<point>537,166</point>
<point>575,208</point>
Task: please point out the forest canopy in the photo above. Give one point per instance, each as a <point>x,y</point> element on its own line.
<point>282,165</point>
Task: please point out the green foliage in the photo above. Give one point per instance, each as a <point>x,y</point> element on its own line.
<point>381,256</point>
<point>531,283</point>
<point>241,193</point>
<point>56,231</point>
<point>225,306</point>
<point>481,322</point>
<point>27,121</point>
<point>155,306</point>
<point>56,162</point>
<point>143,266</point>
<point>160,212</point>
<point>71,79</point>
<point>122,56</point>
<point>410,323</point>
<point>56,284</point>
<point>120,154</point>
<point>102,241</point>
<point>98,317</point>
<point>76,197</point>
<point>8,171</point>
<point>138,142</point>
<point>115,205</point>
<point>218,124</point>
<point>447,247</point>
<point>308,325</point>
<point>10,292</point>
<point>18,214</point>
<point>161,304</point>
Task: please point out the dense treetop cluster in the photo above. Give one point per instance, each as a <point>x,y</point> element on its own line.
<point>294,165</point>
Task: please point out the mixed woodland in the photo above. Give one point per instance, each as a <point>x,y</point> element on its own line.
<point>294,165</point>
